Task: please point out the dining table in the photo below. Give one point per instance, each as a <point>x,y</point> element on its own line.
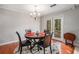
<point>35,38</point>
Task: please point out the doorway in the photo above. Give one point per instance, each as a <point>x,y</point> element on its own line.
<point>56,26</point>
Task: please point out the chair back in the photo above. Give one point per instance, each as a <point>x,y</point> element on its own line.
<point>20,42</point>
<point>47,31</point>
<point>69,39</point>
<point>51,34</point>
<point>69,36</point>
<point>47,40</point>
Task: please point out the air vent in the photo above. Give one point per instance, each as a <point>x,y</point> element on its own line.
<point>52,5</point>
<point>75,6</point>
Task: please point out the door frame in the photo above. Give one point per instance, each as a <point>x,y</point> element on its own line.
<point>53,27</point>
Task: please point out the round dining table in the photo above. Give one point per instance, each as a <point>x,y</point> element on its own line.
<point>35,38</point>
<point>33,35</point>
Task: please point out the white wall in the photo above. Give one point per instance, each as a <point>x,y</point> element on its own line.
<point>11,21</point>
<point>70,21</point>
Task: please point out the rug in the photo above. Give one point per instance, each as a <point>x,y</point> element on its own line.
<point>55,49</point>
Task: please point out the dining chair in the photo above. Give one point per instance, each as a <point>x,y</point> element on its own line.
<point>46,42</point>
<point>22,43</point>
<point>69,39</point>
<point>47,31</point>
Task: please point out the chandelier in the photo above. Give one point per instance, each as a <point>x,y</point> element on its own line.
<point>35,14</point>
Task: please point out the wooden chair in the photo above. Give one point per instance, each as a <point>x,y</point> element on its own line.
<point>69,38</point>
<point>22,43</point>
<point>46,42</point>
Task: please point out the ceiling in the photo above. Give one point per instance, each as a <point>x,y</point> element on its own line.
<point>42,8</point>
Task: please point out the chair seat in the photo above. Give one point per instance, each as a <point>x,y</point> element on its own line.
<point>26,43</point>
<point>69,44</point>
<point>41,43</point>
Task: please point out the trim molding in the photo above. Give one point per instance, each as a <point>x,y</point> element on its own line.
<point>8,42</point>
<point>76,44</point>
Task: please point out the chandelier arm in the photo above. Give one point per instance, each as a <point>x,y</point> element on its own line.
<point>35,14</point>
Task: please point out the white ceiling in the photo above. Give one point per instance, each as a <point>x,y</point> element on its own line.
<point>42,8</point>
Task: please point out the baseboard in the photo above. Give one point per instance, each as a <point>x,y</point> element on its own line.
<point>58,39</point>
<point>8,42</point>
<point>76,44</point>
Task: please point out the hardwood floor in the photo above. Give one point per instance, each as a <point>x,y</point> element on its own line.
<point>9,48</point>
<point>65,49</point>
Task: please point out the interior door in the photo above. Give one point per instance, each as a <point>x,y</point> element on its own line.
<point>49,25</point>
<point>57,28</point>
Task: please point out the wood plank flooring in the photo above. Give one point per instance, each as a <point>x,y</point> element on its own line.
<point>9,48</point>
